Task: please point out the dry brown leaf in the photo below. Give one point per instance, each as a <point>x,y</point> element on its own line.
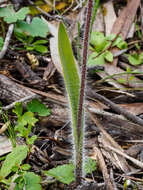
<point>54,46</point>
<point>134,108</point>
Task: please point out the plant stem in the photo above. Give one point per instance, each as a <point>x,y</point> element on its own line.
<point>79,148</point>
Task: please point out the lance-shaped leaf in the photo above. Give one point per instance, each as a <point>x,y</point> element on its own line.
<point>71,75</point>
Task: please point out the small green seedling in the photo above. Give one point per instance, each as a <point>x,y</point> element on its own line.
<point>25,32</point>
<point>30,43</point>
<point>21,176</point>
<point>27,120</point>
<point>65,173</point>
<point>10,16</point>
<point>13,161</point>
<point>25,123</point>
<point>99,45</point>
<point>37,28</point>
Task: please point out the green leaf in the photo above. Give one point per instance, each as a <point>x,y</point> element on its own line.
<point>128,69</point>
<point>4,11</point>
<point>25,167</point>
<point>108,56</point>
<point>135,59</point>
<point>19,181</point>
<point>141,57</point>
<point>31,139</point>
<point>29,48</point>
<point>18,109</point>
<point>117,41</point>
<point>36,106</point>
<point>28,118</point>
<point>137,46</point>
<point>122,45</point>
<point>30,39</point>
<point>99,41</point>
<point>1,43</point>
<point>19,34</point>
<point>14,158</point>
<point>15,169</point>
<point>90,166</point>
<point>37,27</point>
<point>63,173</point>
<point>32,181</point>
<point>40,48</point>
<point>121,80</point>
<point>10,16</point>
<point>71,75</point>
<point>92,61</point>
<point>40,42</point>
<point>131,77</point>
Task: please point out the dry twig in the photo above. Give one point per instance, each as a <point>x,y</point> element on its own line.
<point>21,100</point>
<point>104,169</point>
<point>135,161</point>
<point>118,109</point>
<point>122,162</point>
<point>7,40</point>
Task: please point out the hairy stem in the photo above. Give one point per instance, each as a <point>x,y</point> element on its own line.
<point>79,147</point>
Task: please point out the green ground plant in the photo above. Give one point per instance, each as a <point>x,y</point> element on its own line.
<point>12,169</point>
<point>31,43</point>
<point>21,176</point>
<point>100,46</point>
<point>65,173</point>
<point>24,32</point>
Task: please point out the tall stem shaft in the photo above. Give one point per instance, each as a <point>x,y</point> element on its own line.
<point>79,152</point>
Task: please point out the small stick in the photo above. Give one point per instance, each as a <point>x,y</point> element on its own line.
<point>110,139</point>
<point>7,40</point>
<point>118,109</point>
<point>13,104</point>
<point>135,161</point>
<point>123,164</point>
<point>103,169</point>
<point>112,179</point>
